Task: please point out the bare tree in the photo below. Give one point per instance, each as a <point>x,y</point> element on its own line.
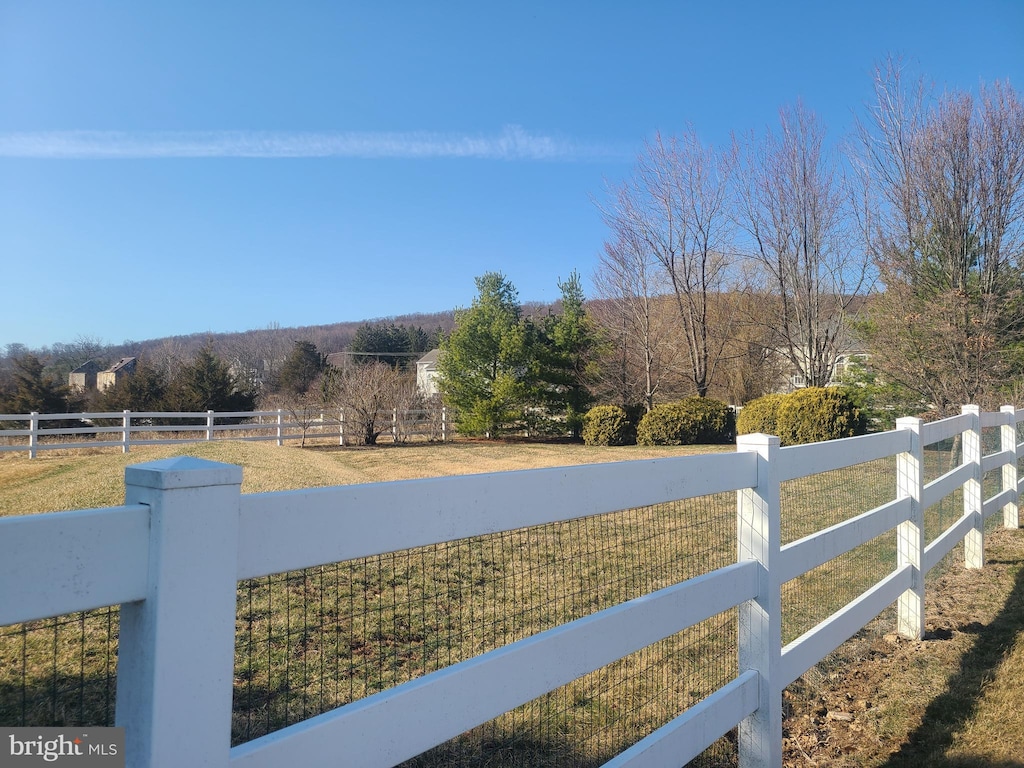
<point>368,394</point>
<point>946,228</point>
<point>674,210</point>
<point>305,409</point>
<point>257,356</point>
<point>83,349</point>
<point>752,366</point>
<point>792,202</point>
<point>412,411</point>
<point>170,357</point>
<point>640,354</point>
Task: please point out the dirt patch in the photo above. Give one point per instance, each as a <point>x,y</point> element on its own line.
<point>882,700</point>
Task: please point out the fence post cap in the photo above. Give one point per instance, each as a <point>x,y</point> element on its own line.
<point>756,439</point>
<point>182,472</point>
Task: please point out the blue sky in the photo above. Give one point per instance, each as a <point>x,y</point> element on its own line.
<point>183,167</point>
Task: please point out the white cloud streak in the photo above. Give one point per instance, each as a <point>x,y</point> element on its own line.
<point>512,143</point>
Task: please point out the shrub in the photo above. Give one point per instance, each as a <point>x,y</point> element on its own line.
<point>607,425</point>
<point>760,415</point>
<point>814,414</point>
<point>693,421</point>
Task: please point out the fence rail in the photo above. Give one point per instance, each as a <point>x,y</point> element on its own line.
<point>137,428</point>
<point>173,555</point>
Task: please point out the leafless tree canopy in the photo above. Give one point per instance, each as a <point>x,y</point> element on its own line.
<point>756,250</point>
<point>673,216</point>
<point>642,354</point>
<point>368,394</point>
<point>945,177</point>
<point>792,201</point>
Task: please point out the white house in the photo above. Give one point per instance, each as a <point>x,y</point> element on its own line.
<point>427,373</point>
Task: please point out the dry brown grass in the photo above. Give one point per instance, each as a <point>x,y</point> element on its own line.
<point>62,480</point>
<point>311,640</point>
<point>954,699</point>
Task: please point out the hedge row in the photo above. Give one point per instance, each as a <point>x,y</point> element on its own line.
<point>693,421</point>
<point>608,425</point>
<point>805,416</point>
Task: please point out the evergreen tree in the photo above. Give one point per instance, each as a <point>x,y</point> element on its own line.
<point>571,346</point>
<point>206,384</point>
<point>488,365</point>
<point>301,368</point>
<point>34,390</point>
<point>396,345</point>
<point>419,340</point>
<point>143,390</point>
<point>380,343</point>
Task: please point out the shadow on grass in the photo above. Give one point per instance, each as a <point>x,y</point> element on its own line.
<point>58,701</point>
<point>952,710</point>
<point>548,751</point>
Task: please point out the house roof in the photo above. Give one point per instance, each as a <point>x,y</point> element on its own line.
<point>431,357</point>
<point>124,362</point>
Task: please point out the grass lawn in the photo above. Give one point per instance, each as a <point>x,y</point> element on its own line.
<point>63,480</point>
<point>313,639</point>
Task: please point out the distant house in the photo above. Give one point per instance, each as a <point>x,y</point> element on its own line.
<point>83,378</point>
<point>121,369</point>
<point>427,373</point>
<point>842,365</point>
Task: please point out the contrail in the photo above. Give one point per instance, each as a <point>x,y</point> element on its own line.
<point>511,143</point>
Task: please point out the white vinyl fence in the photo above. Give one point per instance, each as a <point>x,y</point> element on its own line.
<point>51,431</point>
<point>173,554</point>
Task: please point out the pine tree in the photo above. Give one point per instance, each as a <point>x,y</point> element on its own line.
<point>572,342</point>
<point>35,390</point>
<point>301,368</point>
<point>206,384</point>
<point>488,367</point>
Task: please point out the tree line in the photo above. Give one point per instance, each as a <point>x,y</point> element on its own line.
<point>203,383</point>
<point>779,253</point>
<point>375,374</point>
<point>733,272</point>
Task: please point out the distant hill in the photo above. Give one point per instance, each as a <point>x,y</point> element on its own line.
<point>333,337</point>
<point>271,343</point>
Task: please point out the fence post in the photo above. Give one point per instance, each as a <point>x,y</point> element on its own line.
<point>910,541</point>
<point>974,541</point>
<point>394,425</point>
<point>444,423</point>
<point>126,431</point>
<point>209,425</point>
<point>1008,440</point>
<point>759,534</point>
<point>341,427</point>
<point>280,432</point>
<point>177,646</point>
<point>33,433</point>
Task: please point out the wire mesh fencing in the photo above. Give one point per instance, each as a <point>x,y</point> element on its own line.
<point>819,501</point>
<point>60,671</point>
<point>312,640</point>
